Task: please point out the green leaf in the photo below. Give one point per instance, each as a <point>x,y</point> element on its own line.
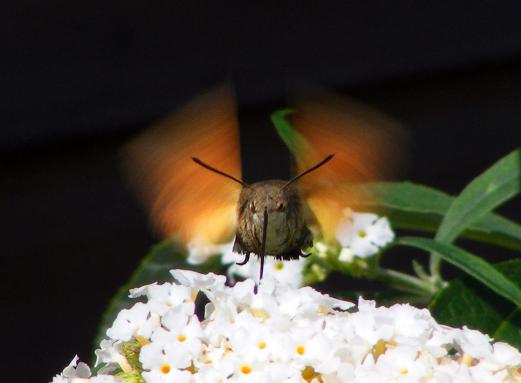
<point>155,267</point>
<point>285,130</point>
<point>510,329</point>
<point>495,186</point>
<point>419,207</point>
<point>471,264</point>
<point>465,302</point>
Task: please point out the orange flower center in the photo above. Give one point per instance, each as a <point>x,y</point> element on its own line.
<point>245,369</point>
<point>165,368</point>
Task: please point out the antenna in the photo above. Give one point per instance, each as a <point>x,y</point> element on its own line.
<point>206,166</point>
<point>314,167</point>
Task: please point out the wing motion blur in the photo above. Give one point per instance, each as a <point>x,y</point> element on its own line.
<point>184,199</point>
<point>363,141</point>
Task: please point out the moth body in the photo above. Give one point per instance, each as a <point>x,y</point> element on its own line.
<point>287,232</point>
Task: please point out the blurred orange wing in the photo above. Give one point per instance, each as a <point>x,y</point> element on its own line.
<point>185,200</point>
<point>363,141</point>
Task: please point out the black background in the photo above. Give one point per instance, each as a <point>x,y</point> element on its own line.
<point>80,78</point>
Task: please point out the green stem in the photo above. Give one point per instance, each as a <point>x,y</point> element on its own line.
<point>420,271</point>
<point>435,266</point>
<point>405,282</point>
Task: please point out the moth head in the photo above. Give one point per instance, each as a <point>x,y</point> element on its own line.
<point>270,197</point>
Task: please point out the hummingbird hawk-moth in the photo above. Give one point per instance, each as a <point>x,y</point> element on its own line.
<point>188,171</point>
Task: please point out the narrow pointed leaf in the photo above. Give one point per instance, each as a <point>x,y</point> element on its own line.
<point>471,264</point>
<point>419,207</point>
<point>285,130</point>
<point>492,188</point>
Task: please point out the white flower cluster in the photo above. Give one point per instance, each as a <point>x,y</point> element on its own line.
<point>285,334</point>
<point>362,234</point>
<point>287,273</point>
<point>79,373</point>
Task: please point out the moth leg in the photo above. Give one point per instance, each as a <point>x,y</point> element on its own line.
<point>246,259</point>
<point>307,241</point>
<point>238,248</point>
<point>304,255</point>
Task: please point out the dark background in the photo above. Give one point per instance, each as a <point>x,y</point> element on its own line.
<point>80,78</point>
